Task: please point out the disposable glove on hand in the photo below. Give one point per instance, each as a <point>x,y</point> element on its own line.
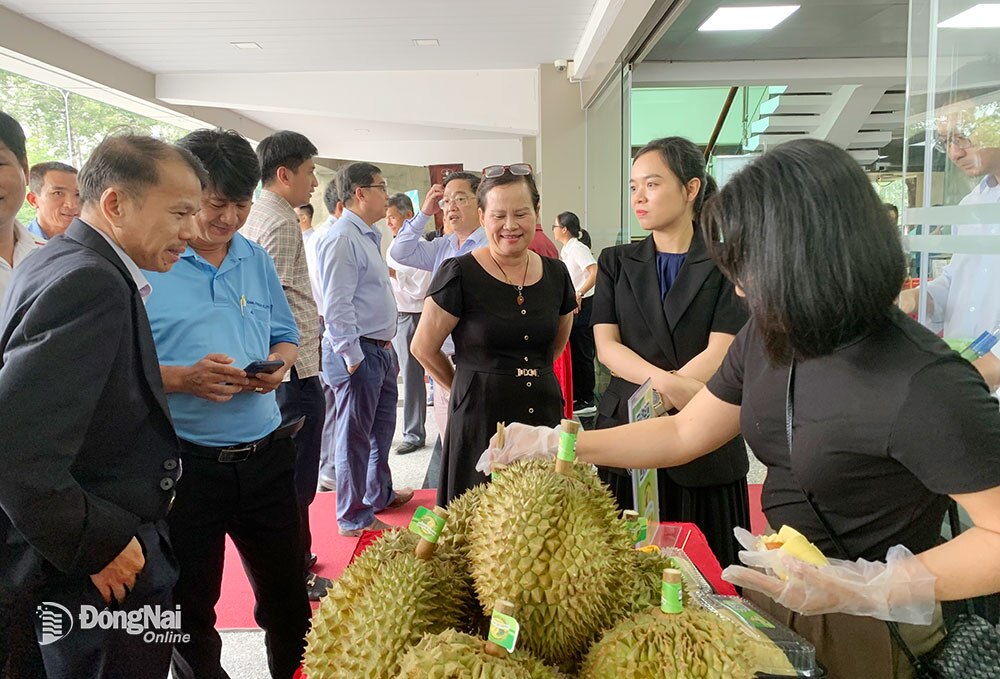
<point>521,442</point>
<point>899,590</point>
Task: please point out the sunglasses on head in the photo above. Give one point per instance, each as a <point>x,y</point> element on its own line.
<point>518,169</point>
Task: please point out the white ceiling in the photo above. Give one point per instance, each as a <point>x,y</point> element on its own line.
<point>174,36</point>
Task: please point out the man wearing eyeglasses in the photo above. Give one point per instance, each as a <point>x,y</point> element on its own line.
<point>964,300</point>
<point>457,200</point>
<point>359,364</point>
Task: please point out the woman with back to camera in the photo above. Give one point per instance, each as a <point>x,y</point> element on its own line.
<point>509,312</point>
<point>865,420</point>
<point>583,271</point>
<point>663,310</point>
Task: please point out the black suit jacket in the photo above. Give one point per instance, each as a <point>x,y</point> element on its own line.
<point>668,335</point>
<point>87,447</point>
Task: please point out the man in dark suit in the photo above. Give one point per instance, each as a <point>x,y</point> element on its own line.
<point>87,447</point>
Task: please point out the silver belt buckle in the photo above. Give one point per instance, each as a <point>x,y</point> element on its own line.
<point>527,372</point>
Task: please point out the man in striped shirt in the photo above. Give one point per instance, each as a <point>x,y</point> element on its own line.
<point>289,179</point>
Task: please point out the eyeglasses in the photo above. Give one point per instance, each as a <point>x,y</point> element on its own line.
<point>382,187</point>
<point>458,201</point>
<point>959,141</point>
<point>494,171</point>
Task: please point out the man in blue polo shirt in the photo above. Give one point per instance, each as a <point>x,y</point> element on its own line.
<point>220,309</point>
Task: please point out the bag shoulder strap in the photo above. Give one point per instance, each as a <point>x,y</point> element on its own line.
<point>837,542</point>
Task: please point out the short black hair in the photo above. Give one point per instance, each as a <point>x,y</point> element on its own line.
<point>570,222</point>
<point>490,183</point>
<point>12,136</point>
<point>894,210</point>
<point>130,162</point>
<point>685,160</point>
<point>803,233</point>
<point>283,149</point>
<point>401,202</point>
<point>470,177</point>
<point>331,197</point>
<point>233,170</point>
<point>308,209</point>
<point>354,176</point>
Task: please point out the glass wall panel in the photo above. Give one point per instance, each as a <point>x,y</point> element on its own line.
<point>951,221</point>
<point>607,131</point>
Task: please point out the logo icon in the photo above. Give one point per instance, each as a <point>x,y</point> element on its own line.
<point>56,622</point>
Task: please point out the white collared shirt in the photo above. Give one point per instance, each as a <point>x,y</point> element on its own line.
<point>967,293</point>
<point>409,286</point>
<point>140,280</point>
<point>24,244</point>
<point>578,258</point>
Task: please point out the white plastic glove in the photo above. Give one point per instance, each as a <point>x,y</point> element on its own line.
<point>899,590</point>
<point>521,442</point>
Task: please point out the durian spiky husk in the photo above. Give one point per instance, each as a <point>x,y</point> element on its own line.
<point>647,576</point>
<point>453,655</point>
<point>555,546</point>
<point>460,512</point>
<point>382,604</point>
<point>694,644</point>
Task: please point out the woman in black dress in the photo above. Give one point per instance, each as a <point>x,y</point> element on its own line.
<point>664,311</point>
<point>509,312</point>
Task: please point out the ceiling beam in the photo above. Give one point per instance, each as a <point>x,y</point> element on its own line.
<point>612,25</point>
<point>497,101</point>
<point>886,72</point>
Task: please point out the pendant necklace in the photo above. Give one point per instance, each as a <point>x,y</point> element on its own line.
<point>520,296</point>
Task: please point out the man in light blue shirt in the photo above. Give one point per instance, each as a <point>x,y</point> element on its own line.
<point>462,234</point>
<point>358,360</point>
<point>218,310</point>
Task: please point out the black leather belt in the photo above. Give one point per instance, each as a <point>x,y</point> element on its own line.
<point>240,452</point>
<point>382,344</point>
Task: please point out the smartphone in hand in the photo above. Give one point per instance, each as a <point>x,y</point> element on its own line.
<point>258,367</point>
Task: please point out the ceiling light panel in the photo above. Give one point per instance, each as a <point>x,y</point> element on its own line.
<point>748,18</point>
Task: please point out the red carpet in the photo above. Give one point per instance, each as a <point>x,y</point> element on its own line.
<point>235,607</point>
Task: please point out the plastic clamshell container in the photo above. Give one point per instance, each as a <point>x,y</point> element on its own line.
<point>765,630</point>
<point>694,581</point>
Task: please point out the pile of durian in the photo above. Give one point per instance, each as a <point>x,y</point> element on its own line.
<point>554,545</point>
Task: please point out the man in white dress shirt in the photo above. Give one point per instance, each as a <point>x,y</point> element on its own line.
<point>964,301</point>
<point>409,285</point>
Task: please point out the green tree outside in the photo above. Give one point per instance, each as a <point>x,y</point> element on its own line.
<point>65,126</point>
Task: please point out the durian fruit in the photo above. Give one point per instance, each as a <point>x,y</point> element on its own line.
<point>552,544</point>
<point>646,575</point>
<point>453,655</point>
<point>382,604</point>
<point>694,644</point>
<point>460,512</point>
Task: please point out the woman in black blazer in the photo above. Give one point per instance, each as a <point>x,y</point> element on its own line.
<point>663,310</point>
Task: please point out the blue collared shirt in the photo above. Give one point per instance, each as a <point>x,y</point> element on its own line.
<point>412,249</point>
<point>357,297</point>
<point>36,228</point>
<point>239,310</point>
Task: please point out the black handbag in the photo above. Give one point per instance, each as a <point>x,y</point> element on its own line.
<point>971,648</point>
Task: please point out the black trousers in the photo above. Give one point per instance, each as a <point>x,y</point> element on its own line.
<point>581,347</point>
<point>93,652</point>
<point>255,503</point>
<point>304,398</point>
